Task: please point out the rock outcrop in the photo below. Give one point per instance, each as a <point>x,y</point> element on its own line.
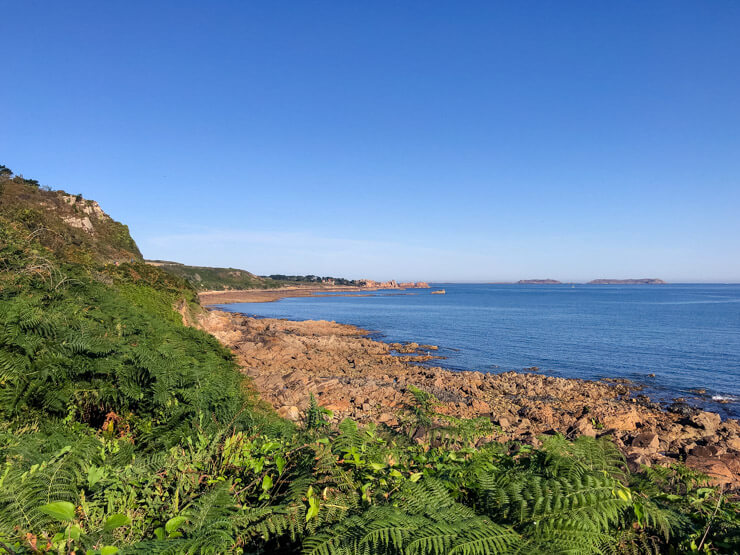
<point>392,284</point>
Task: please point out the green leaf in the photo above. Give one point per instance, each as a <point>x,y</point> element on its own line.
<point>159,533</point>
<point>60,510</point>
<point>313,508</point>
<point>624,494</point>
<point>174,523</point>
<point>108,550</point>
<point>74,532</point>
<point>280,463</point>
<point>116,521</point>
<point>415,476</point>
<point>267,482</point>
<point>94,475</point>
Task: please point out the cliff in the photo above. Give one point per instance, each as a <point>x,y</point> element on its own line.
<point>74,228</point>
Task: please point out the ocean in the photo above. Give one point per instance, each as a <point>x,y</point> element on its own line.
<point>688,336</point>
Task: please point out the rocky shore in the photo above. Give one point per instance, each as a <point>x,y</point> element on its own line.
<point>353,375</point>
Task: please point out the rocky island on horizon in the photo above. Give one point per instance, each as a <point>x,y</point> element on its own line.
<point>600,281</point>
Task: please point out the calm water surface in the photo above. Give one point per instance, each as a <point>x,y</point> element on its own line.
<point>687,335</point>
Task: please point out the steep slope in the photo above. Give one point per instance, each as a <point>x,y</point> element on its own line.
<point>75,229</point>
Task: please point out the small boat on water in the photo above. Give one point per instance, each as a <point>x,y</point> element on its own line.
<point>439,292</point>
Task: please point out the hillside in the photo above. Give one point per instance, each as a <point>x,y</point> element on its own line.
<point>75,229</point>
<point>204,278</point>
<point>124,428</point>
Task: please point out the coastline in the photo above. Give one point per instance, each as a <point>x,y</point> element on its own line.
<point>368,380</point>
<point>209,298</point>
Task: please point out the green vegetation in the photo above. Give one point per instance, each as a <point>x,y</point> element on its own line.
<point>124,430</point>
<point>75,230</point>
<point>204,278</point>
<point>311,279</point>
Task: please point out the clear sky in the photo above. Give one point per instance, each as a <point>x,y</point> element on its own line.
<point>463,141</point>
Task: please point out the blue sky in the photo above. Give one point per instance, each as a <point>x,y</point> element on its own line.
<point>411,140</point>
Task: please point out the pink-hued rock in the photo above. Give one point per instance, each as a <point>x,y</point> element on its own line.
<point>357,377</point>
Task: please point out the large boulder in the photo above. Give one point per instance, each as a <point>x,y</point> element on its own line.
<point>338,405</point>
<point>734,443</point>
<point>583,427</point>
<point>706,451</point>
<point>290,412</point>
<point>506,423</point>
<point>646,440</point>
<point>723,470</point>
<point>625,421</point>
<point>708,421</point>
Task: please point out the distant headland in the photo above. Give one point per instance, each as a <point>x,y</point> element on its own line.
<point>539,282</point>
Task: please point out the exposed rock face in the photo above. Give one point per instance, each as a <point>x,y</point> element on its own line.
<point>88,207</point>
<point>82,223</point>
<point>413,285</point>
<point>372,284</point>
<point>368,380</point>
<point>69,225</point>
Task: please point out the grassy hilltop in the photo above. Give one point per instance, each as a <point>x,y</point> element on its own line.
<point>204,278</point>
<point>125,429</point>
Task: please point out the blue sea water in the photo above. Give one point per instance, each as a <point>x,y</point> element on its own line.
<point>687,335</point>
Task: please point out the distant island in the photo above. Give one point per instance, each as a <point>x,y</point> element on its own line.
<point>602,281</point>
<point>643,281</point>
